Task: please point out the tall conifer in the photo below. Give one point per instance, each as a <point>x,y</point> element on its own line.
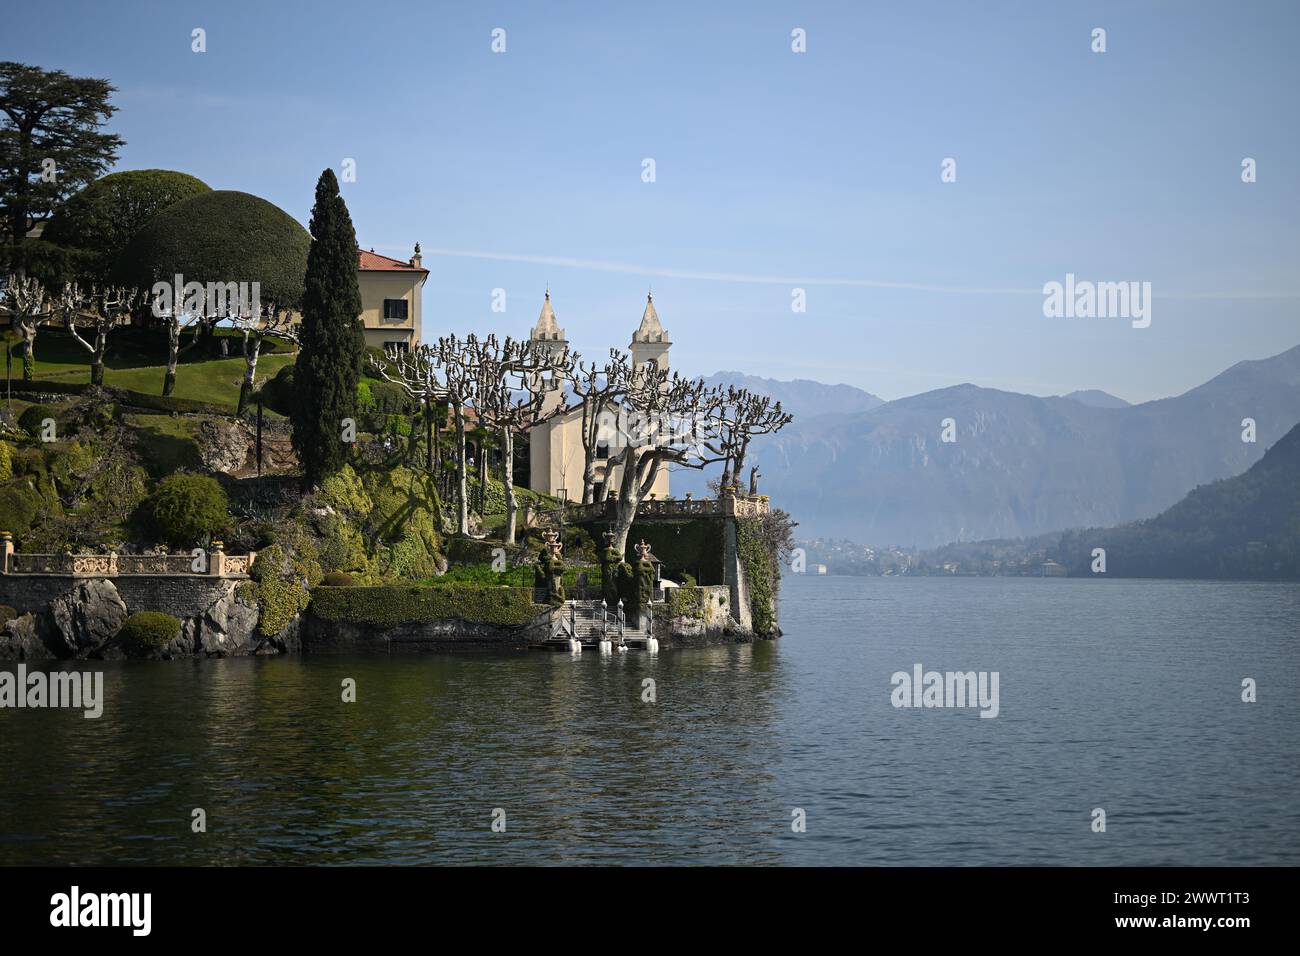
<point>332,345</point>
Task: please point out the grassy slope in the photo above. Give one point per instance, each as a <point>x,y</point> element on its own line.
<point>60,358</point>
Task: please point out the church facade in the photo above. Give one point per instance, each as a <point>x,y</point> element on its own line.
<point>556,456</point>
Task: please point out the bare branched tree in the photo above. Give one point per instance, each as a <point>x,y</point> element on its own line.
<point>417,373</point>
<point>256,327</point>
<point>26,298</point>
<point>456,363</point>
<point>598,389</point>
<point>97,313</point>
<point>659,421</point>
<point>171,311</point>
<point>512,381</point>
<point>737,417</point>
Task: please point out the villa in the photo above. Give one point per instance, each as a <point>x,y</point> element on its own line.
<point>390,298</point>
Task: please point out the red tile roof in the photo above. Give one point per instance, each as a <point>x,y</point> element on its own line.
<point>373,262</point>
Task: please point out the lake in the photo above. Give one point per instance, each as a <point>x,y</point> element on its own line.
<point>1121,695</point>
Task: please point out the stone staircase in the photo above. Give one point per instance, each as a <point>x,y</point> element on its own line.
<point>583,620</point>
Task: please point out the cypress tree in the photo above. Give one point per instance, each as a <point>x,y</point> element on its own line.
<point>332,345</point>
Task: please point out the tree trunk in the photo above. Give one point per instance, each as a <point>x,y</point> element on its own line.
<point>428,435</point>
<point>508,479</point>
<point>462,483</point>
<point>173,356</point>
<point>631,490</point>
<point>590,427</point>
<point>28,333</point>
<point>250,375</point>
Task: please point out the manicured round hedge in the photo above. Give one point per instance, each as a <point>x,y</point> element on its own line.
<point>337,579</point>
<point>103,218</point>
<point>188,508</point>
<point>150,629</point>
<point>222,236</point>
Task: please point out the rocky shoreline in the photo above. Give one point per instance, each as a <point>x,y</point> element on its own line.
<point>84,621</point>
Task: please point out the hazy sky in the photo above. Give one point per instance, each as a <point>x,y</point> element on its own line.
<point>774,169</point>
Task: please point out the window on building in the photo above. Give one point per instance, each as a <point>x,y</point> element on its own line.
<point>402,346</point>
<point>602,450</point>
<point>395,310</point>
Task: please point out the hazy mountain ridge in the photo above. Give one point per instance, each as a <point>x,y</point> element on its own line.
<point>1097,398</point>
<point>802,397</point>
<point>1021,465</point>
<point>1247,526</point>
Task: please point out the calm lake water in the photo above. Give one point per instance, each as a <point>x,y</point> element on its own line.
<point>1124,695</point>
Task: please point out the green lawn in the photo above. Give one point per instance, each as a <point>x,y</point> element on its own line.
<point>60,358</point>
<point>168,442</point>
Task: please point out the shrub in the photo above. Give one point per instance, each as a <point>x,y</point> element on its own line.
<point>221,236</point>
<point>337,579</point>
<point>102,218</point>
<point>389,398</point>
<point>345,492</point>
<point>32,419</point>
<point>365,398</point>
<point>6,461</point>
<point>150,629</point>
<point>277,392</point>
<point>277,588</point>
<point>7,614</point>
<point>393,606</point>
<point>189,508</point>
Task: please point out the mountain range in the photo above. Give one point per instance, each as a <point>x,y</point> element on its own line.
<point>1242,527</point>
<point>880,473</point>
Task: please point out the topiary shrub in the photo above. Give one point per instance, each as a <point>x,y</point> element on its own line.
<point>394,606</point>
<point>32,419</point>
<point>102,218</point>
<point>189,508</point>
<point>149,629</point>
<point>6,461</point>
<point>221,236</point>
<point>337,579</point>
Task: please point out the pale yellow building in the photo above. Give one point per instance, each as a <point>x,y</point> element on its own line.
<point>390,298</point>
<point>555,447</point>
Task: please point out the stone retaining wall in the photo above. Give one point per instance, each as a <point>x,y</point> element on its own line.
<point>181,595</point>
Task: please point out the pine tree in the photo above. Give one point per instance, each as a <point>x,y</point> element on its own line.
<point>332,345</point>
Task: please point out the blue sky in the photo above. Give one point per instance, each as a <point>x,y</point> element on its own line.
<point>773,169</point>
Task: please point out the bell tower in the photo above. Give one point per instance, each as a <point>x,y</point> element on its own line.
<point>650,342</point>
<point>548,337</point>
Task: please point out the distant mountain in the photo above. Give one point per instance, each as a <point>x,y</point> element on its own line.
<point>1242,527</point>
<point>1097,398</point>
<point>1021,465</point>
<point>801,397</point>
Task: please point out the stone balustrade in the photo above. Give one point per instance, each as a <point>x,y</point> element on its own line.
<point>216,563</point>
<point>737,506</point>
